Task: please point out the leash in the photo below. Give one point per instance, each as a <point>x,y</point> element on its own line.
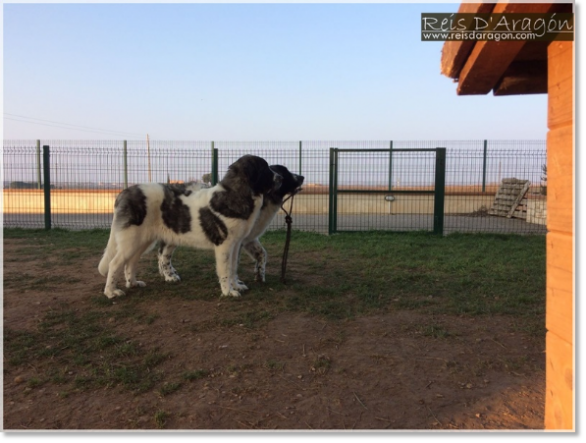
<point>289,221</point>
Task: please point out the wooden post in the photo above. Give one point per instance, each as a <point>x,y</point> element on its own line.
<point>559,375</point>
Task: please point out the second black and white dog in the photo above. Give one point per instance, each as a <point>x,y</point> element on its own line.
<point>217,218</point>
<point>272,202</point>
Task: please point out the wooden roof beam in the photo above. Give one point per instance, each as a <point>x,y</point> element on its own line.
<point>489,60</point>
<point>525,77</point>
<point>455,53</point>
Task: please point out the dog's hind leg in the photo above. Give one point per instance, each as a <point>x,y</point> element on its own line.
<point>166,269</point>
<point>128,245</point>
<point>131,266</point>
<point>255,250</point>
<point>114,268</point>
<point>224,268</point>
<point>109,253</point>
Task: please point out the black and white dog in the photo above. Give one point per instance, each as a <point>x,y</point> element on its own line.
<point>217,218</point>
<point>272,202</point>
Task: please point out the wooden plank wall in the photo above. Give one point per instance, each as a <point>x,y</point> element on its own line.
<point>559,378</point>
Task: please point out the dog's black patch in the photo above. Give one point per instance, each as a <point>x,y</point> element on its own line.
<point>290,183</point>
<point>261,177</point>
<point>175,214</point>
<point>214,228</point>
<point>178,189</point>
<point>249,175</point>
<point>233,204</point>
<point>130,206</point>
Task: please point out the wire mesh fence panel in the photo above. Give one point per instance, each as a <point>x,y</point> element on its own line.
<point>406,177</point>
<point>169,161</point>
<point>23,204</point>
<point>311,205</point>
<point>469,197</point>
<point>87,175</point>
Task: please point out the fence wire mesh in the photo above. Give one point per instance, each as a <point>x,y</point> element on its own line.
<point>407,177</point>
<point>86,176</point>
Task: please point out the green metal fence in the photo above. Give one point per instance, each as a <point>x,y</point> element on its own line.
<point>344,160</point>
<point>349,185</point>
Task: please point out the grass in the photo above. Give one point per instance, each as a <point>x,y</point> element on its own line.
<point>161,418</point>
<point>88,353</point>
<point>331,277</point>
<point>339,276</point>
<point>195,375</point>
<point>169,388</point>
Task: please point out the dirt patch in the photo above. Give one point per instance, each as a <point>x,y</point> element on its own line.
<point>399,369</point>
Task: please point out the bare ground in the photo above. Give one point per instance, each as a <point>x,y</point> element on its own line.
<point>296,371</point>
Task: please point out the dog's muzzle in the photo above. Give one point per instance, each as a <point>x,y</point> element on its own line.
<point>299,179</point>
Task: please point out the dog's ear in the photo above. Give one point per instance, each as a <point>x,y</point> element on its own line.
<point>252,166</point>
<point>247,166</point>
<point>256,171</point>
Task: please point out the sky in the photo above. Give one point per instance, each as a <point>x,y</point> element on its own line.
<point>241,72</point>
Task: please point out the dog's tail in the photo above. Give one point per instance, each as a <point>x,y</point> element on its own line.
<point>109,254</point>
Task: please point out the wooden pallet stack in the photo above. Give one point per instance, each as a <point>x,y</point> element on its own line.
<point>511,199</point>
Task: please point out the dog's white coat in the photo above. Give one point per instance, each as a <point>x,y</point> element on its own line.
<point>251,245</point>
<point>126,245</point>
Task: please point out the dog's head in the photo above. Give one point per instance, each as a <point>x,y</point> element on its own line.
<point>291,184</point>
<point>256,173</point>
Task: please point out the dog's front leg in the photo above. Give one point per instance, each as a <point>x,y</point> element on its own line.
<point>224,269</point>
<point>236,282</point>
<point>255,250</point>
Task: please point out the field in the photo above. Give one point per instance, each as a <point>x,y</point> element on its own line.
<point>370,331</point>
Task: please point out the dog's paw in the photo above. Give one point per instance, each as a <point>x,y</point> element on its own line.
<point>240,286</point>
<point>172,277</point>
<point>232,293</point>
<point>114,293</point>
<point>137,283</point>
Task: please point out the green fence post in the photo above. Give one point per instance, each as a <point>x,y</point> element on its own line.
<point>39,180</point>
<point>484,166</point>
<point>391,165</point>
<point>214,165</point>
<point>440,191</point>
<point>300,158</point>
<point>336,162</point>
<point>125,165</point>
<point>47,185</point>
<point>333,192</point>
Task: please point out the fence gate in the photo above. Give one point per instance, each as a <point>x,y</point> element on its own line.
<point>387,189</point>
